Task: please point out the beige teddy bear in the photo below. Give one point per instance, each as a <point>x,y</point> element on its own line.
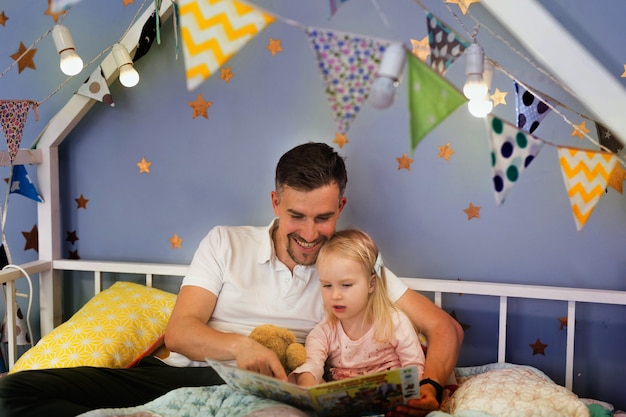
<point>282,342</point>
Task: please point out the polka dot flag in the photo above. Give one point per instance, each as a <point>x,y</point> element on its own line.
<point>530,109</point>
<point>512,151</point>
<point>445,45</point>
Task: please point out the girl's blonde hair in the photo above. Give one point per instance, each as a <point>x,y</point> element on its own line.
<point>358,246</point>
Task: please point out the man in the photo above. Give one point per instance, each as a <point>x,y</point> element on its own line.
<point>241,277</point>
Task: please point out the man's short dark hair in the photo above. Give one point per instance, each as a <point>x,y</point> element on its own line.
<point>310,166</point>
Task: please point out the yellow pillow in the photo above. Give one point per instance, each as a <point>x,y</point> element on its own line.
<point>112,330</point>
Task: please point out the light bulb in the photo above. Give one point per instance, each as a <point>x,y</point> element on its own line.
<point>71,63</point>
<point>474,87</point>
<point>382,93</point>
<point>480,107</point>
<point>383,90</point>
<point>129,77</point>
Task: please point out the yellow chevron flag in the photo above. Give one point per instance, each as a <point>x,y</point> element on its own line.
<point>214,30</point>
<point>586,174</point>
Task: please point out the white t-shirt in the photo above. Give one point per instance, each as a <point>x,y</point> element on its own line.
<point>253,287</point>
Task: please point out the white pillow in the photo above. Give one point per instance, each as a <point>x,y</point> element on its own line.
<point>514,391</point>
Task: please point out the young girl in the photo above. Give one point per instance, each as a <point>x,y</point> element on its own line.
<point>364,332</point>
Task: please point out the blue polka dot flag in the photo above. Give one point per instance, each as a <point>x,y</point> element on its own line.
<point>530,109</point>
<point>445,44</point>
<point>512,151</point>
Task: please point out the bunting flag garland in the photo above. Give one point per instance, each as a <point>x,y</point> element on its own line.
<point>586,174</point>
<point>530,109</point>
<point>214,30</point>
<point>512,151</point>
<point>149,32</point>
<point>60,5</point>
<point>445,45</point>
<point>431,99</point>
<point>334,6</point>
<point>96,87</point>
<point>348,64</point>
<point>22,184</point>
<point>606,138</point>
<point>13,115</point>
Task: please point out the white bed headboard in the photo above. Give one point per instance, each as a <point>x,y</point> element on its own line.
<point>437,287</point>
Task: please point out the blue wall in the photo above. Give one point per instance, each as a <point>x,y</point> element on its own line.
<point>220,171</point>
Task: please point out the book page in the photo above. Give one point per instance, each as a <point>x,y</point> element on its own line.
<point>367,395</point>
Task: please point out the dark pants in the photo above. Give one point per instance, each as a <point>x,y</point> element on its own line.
<point>71,391</point>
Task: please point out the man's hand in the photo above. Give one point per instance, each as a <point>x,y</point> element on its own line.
<point>257,358</point>
<point>418,407</point>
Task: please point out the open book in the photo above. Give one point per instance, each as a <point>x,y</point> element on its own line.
<point>364,395</point>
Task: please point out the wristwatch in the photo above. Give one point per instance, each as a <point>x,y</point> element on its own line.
<point>436,385</point>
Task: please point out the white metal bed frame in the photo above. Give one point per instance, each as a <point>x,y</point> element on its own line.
<point>436,286</point>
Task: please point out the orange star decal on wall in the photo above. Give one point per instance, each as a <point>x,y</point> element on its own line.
<point>73,254</point>
<point>4,18</point>
<point>563,322</point>
<point>144,166</point>
<point>200,107</point>
<point>175,241</point>
<point>226,74</point>
<point>24,58</point>
<point>420,49</point>
<point>445,152</point>
<point>274,46</point>
<point>616,180</point>
<point>624,73</point>
<point>472,211</point>
<point>340,139</point>
<point>55,16</point>
<point>82,202</point>
<point>404,162</point>
<point>127,2</point>
<point>538,348</point>
<point>580,130</point>
<point>71,237</point>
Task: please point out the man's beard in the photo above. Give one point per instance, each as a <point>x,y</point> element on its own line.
<point>307,260</point>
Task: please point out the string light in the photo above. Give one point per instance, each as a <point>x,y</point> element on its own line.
<point>129,77</point>
<point>383,89</point>
<point>71,63</point>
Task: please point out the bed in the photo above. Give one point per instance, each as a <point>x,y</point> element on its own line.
<point>135,313</point>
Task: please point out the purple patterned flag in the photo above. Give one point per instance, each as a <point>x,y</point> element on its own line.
<point>348,64</point>
<point>530,109</point>
<point>334,5</point>
<point>13,115</point>
<point>512,151</point>
<point>445,45</point>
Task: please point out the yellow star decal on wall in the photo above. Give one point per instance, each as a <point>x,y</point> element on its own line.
<point>420,49</point>
<point>624,73</point>
<point>200,107</point>
<point>175,241</point>
<point>616,180</point>
<point>498,97</point>
<point>226,74</point>
<point>274,46</point>
<point>144,166</point>
<point>445,152</point>
<point>340,139</point>
<point>580,130</point>
<point>25,61</point>
<point>472,211</point>
<point>463,4</point>
<point>404,162</point>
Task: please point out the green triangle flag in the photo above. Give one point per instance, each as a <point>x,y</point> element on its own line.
<point>431,99</point>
